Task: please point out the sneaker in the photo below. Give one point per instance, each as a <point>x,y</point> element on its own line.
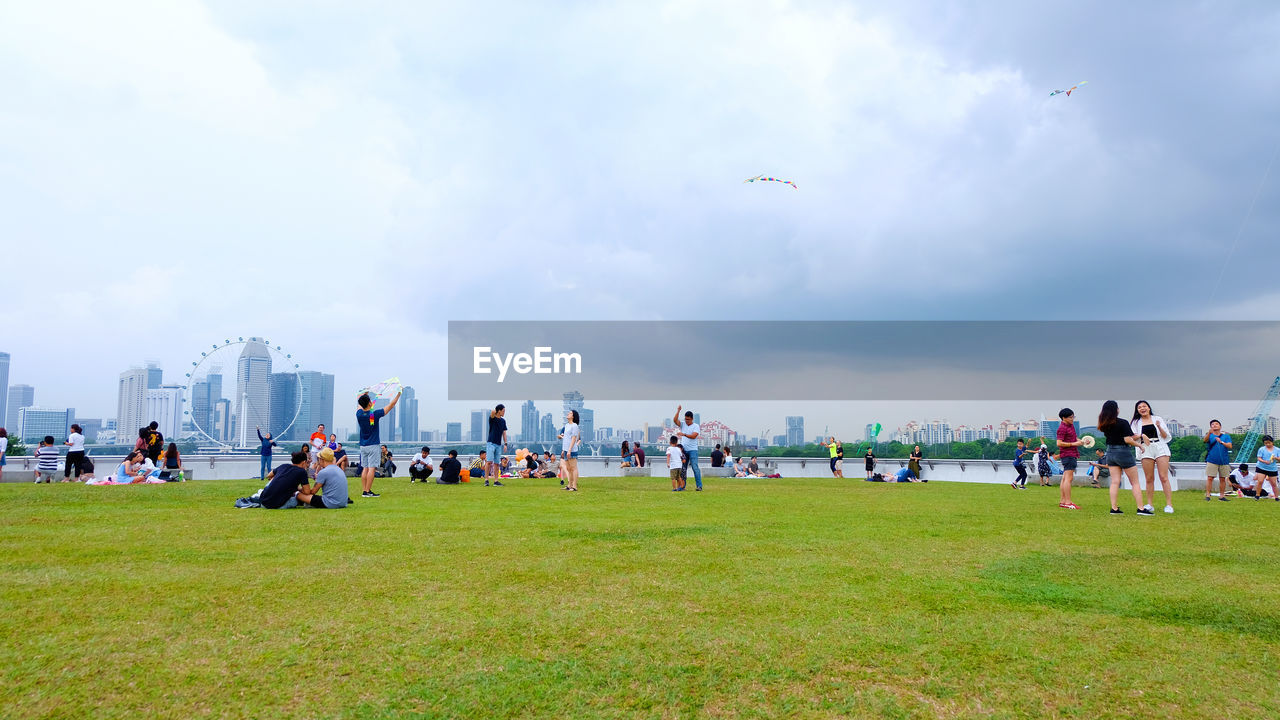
<point>561,482</point>
<point>1149,508</point>
<point>1014,484</point>
<point>369,494</point>
<point>1207,498</point>
<point>699,489</point>
<point>1168,509</point>
<point>496,483</point>
<point>1070,506</point>
<point>1232,493</point>
<point>1146,512</point>
<point>1224,498</point>
<point>1117,511</point>
<point>486,483</point>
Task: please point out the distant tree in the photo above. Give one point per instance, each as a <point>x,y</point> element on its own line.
<point>1187,449</point>
<point>16,447</point>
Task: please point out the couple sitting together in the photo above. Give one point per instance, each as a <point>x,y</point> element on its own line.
<point>288,486</point>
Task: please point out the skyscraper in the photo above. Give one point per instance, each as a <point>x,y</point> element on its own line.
<point>573,400</point>
<point>224,425</point>
<point>478,426</point>
<point>795,430</point>
<point>588,425</point>
<point>205,395</point>
<point>408,406</point>
<point>34,423</point>
<point>130,405</point>
<point>529,422</point>
<point>20,396</point>
<point>316,404</point>
<point>285,398</point>
<point>547,428</point>
<point>164,406</point>
<point>253,389</point>
<point>4,383</point>
<point>453,432</point>
<point>155,376</point>
<point>387,429</point>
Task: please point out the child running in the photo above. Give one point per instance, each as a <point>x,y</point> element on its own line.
<point>1020,482</point>
<point>675,464</point>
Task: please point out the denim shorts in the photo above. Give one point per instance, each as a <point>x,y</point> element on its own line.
<point>1121,456</point>
<point>495,451</point>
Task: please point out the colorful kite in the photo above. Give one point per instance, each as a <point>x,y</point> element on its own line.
<point>762,178</point>
<point>386,388</point>
<point>1068,92</point>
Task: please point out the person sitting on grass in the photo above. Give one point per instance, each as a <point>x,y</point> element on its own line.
<point>387,466</point>
<point>546,468</point>
<point>450,470</point>
<point>531,465</point>
<point>739,468</point>
<point>1098,469</point>
<point>753,468</point>
<point>128,471</point>
<point>504,467</point>
<point>171,469</point>
<point>330,488</point>
<point>46,459</point>
<point>421,467</point>
<point>281,492</point>
<point>478,465</point>
<point>340,456</point>
<point>1246,483</point>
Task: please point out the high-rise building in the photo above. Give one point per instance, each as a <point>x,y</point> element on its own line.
<point>453,432</point>
<point>547,428</point>
<point>408,406</point>
<point>653,434</point>
<point>131,405</point>
<point>163,405</point>
<point>573,400</point>
<point>588,425</point>
<point>4,383</point>
<point>795,430</point>
<point>205,394</point>
<point>253,390</point>
<point>35,422</point>
<point>529,422</point>
<point>779,440</point>
<point>89,427</point>
<point>224,426</point>
<point>155,376</point>
<point>283,389</point>
<point>477,426</point>
<point>20,396</point>
<point>315,405</point>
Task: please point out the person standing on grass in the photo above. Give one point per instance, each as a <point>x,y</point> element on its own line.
<point>1217,460</point>
<point>264,465</point>
<point>688,433</point>
<point>717,457</point>
<point>1121,440</point>
<point>497,443</point>
<point>75,453</point>
<point>675,464</point>
<point>1268,454</point>
<point>1154,453</point>
<point>1068,454</point>
<point>1019,464</point>
<point>837,455</point>
<point>1042,464</point>
<point>370,440</point>
<point>870,461</point>
<point>570,437</point>
<point>914,461</point>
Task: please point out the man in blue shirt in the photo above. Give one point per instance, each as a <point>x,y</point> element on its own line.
<point>370,440</point>
<point>1217,459</point>
<point>267,444</point>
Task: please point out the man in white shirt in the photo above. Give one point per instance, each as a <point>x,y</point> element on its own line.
<point>688,432</point>
<point>421,467</point>
<point>1244,481</point>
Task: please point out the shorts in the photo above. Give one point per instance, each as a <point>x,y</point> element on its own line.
<point>495,451</point>
<point>1216,470</point>
<point>1268,473</point>
<point>370,456</point>
<point>1120,456</point>
<point>318,503</point>
<point>1069,463</point>
<point>570,455</point>
<point>838,464</point>
<point>675,474</point>
<point>1154,449</point>
<point>2,458</point>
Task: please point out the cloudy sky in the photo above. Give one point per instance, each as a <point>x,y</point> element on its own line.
<point>346,178</point>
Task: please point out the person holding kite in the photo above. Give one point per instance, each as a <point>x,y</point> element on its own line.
<point>370,440</point>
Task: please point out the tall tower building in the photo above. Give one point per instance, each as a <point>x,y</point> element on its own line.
<point>529,422</point>
<point>131,405</point>
<point>20,396</point>
<point>795,430</point>
<point>588,425</point>
<point>253,389</point>
<point>316,404</point>
<point>547,429</point>
<point>164,406</point>
<point>453,432</point>
<point>285,398</point>
<point>155,376</point>
<point>408,406</point>
<point>478,426</point>
<point>573,400</point>
<point>4,384</point>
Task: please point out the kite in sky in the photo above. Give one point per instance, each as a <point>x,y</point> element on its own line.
<point>383,389</point>
<point>1068,92</point>
<point>762,178</point>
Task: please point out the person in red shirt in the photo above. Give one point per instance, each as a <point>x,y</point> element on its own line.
<point>1068,454</point>
<point>320,435</point>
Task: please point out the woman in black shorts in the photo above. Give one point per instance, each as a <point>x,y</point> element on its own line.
<point>1120,457</point>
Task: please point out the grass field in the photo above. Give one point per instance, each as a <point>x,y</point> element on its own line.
<point>757,598</point>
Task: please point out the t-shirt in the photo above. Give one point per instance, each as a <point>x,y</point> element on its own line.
<point>339,453</point>
<point>832,448</point>
<point>1218,453</point>
<point>1244,481</point>
<point>639,456</point>
<point>1017,456</point>
<point>155,446</point>
<point>570,432</point>
<point>46,458</point>
<point>77,442</point>
<point>497,426</point>
<point>317,443</point>
<point>1267,458</point>
<point>717,458</point>
<point>531,462</point>
<point>673,458</point>
<point>368,423</point>
<point>1067,433</point>
<point>317,436</point>
<point>1117,432</point>
<point>285,482</point>
<point>333,486</point>
<point>477,464</point>
<point>450,470</point>
<point>692,429</point>
<point>421,459</point>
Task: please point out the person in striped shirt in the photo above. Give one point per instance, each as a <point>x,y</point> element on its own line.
<point>46,459</point>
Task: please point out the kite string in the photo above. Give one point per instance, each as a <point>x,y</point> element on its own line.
<point>1240,230</point>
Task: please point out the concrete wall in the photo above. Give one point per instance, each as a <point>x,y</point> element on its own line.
<point>1186,476</point>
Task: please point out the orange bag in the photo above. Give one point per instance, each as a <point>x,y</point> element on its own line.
<point>465,476</point>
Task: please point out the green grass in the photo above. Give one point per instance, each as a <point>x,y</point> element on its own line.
<point>760,598</point>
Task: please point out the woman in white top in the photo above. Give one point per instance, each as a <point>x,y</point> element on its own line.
<point>75,453</point>
<point>1154,453</point>
<point>570,438</point>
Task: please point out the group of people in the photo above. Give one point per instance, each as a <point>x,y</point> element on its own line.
<point>149,461</point>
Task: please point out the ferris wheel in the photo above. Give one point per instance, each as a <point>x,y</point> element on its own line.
<point>239,387</point>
